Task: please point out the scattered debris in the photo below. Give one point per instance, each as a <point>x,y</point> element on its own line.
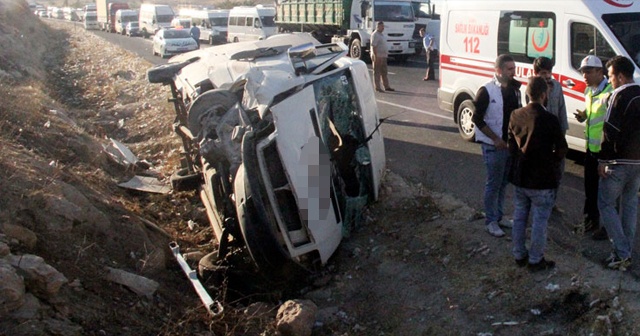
<point>213,307</point>
<point>120,153</point>
<point>147,184</point>
<point>137,283</point>
<point>552,287</point>
<point>507,323</point>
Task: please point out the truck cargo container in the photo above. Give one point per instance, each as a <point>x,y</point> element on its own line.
<point>352,22</point>
<point>106,10</point>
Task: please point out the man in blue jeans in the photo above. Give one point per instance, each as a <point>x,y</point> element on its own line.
<point>619,162</point>
<point>537,147</point>
<point>493,106</point>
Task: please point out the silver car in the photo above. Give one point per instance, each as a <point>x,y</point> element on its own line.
<point>168,42</point>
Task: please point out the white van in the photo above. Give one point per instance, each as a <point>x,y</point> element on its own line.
<point>154,17</point>
<point>212,23</point>
<point>124,16</point>
<point>91,20</point>
<point>474,33</point>
<point>251,23</point>
<point>181,22</point>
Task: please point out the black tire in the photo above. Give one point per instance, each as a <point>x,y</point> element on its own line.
<point>355,49</point>
<point>235,40</point>
<point>465,125</point>
<point>210,39</point>
<point>182,180</point>
<point>402,58</point>
<point>213,101</point>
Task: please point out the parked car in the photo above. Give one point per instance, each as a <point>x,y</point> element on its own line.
<point>132,29</point>
<point>170,41</point>
<point>281,140</point>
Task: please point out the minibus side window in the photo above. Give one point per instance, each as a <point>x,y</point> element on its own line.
<point>587,40</point>
<point>527,35</point>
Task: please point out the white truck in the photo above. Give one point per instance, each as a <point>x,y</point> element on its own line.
<point>352,22</point>
<point>282,143</point>
<point>474,33</point>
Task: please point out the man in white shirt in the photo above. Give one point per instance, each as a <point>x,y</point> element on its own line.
<point>431,49</point>
<point>379,54</point>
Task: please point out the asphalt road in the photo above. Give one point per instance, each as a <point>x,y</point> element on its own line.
<point>422,145</point>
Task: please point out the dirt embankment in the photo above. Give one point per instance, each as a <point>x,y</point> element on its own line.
<point>419,266</point>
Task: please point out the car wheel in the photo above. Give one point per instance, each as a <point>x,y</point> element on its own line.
<point>182,180</point>
<point>466,126</point>
<point>210,40</point>
<point>235,39</point>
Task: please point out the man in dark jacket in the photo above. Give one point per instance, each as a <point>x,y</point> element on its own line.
<point>537,146</point>
<point>619,162</point>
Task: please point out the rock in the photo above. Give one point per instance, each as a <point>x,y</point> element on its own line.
<point>25,236</point>
<point>327,315</point>
<point>4,249</point>
<point>12,290</point>
<point>322,294</point>
<point>138,284</point>
<point>29,310</point>
<point>65,206</point>
<point>296,318</point>
<point>39,277</point>
<point>63,327</point>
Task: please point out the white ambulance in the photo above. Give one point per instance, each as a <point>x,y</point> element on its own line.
<point>474,33</point>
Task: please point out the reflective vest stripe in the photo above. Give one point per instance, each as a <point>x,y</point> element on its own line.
<point>596,110</point>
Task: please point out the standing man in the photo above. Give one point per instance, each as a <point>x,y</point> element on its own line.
<point>493,106</point>
<point>543,67</point>
<point>195,34</point>
<point>431,49</point>
<point>619,166</point>
<point>537,146</point>
<point>596,94</point>
<point>379,54</point>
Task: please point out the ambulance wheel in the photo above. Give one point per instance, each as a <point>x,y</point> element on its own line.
<point>465,125</point>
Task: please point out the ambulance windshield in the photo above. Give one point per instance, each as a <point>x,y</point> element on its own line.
<point>626,27</point>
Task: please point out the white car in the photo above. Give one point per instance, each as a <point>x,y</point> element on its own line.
<point>281,140</point>
<point>169,42</point>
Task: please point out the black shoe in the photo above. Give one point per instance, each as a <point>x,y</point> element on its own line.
<point>542,265</point>
<point>600,234</point>
<point>390,89</point>
<point>558,210</point>
<point>522,262</point>
<point>380,90</point>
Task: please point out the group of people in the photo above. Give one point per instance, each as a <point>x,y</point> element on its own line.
<point>380,53</point>
<point>525,146</point>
